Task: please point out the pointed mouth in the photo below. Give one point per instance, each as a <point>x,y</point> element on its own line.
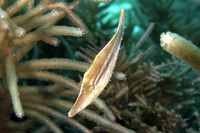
<point>80,104</point>
<point>75,109</point>
<point>70,114</point>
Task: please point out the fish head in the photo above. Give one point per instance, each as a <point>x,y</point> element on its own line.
<point>86,97</point>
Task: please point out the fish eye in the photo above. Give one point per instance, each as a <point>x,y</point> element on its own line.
<point>89,89</point>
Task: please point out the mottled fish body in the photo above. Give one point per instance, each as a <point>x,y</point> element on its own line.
<point>100,71</point>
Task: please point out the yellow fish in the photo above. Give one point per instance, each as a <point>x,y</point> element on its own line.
<point>98,75</point>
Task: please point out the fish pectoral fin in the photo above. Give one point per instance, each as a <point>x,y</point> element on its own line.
<point>79,84</point>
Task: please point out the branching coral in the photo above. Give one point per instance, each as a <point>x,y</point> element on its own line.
<point>17,41</point>
<point>150,99</point>
<point>20,31</point>
<point>181,48</point>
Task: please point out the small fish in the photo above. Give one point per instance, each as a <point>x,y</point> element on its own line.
<point>100,71</point>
